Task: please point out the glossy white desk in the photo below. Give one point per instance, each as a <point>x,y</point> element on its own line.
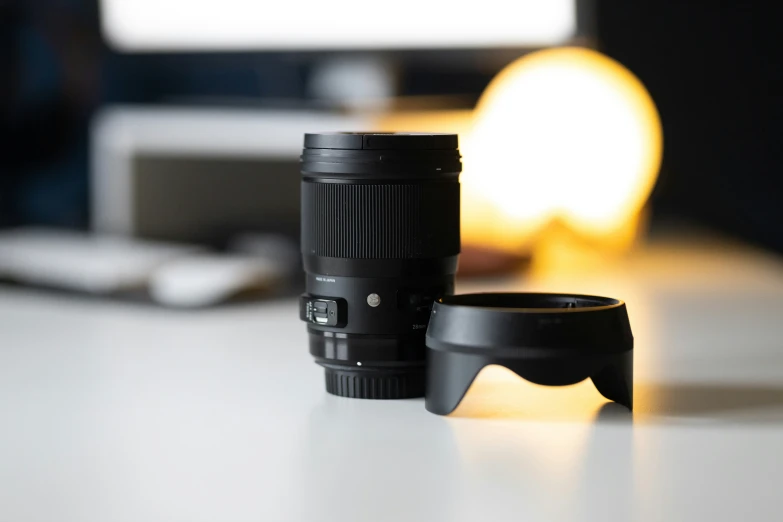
<point>121,412</point>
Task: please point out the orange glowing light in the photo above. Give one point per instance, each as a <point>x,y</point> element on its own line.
<point>499,393</point>
<point>561,135</point>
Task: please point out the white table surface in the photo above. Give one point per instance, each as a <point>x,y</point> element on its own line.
<point>123,412</point>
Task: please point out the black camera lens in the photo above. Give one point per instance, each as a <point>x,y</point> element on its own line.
<point>380,243</point>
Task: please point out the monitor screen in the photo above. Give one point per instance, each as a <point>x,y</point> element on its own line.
<point>188,25</point>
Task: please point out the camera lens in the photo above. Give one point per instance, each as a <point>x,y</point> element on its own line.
<point>380,243</point>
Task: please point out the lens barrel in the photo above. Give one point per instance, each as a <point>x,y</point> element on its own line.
<point>380,243</point>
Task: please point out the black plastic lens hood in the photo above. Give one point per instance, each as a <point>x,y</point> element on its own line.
<point>548,339</point>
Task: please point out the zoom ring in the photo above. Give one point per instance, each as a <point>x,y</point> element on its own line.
<point>380,221</point>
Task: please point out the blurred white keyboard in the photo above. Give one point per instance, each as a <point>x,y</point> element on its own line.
<point>82,262</point>
<point>172,275</point>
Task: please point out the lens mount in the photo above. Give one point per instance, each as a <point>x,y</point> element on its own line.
<point>370,366</point>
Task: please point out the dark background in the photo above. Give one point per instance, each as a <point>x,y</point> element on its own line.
<point>713,70</point>
<point>716,74</point>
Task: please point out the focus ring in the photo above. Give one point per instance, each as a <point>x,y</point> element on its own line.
<point>382,221</point>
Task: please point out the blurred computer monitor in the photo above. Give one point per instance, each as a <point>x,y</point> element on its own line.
<point>152,25</point>
<point>198,174</point>
<point>201,175</point>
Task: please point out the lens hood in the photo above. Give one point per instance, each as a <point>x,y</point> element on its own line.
<point>547,339</point>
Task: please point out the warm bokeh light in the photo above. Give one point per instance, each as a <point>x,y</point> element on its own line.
<point>560,154</point>
<point>561,135</point>
<point>499,393</point>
